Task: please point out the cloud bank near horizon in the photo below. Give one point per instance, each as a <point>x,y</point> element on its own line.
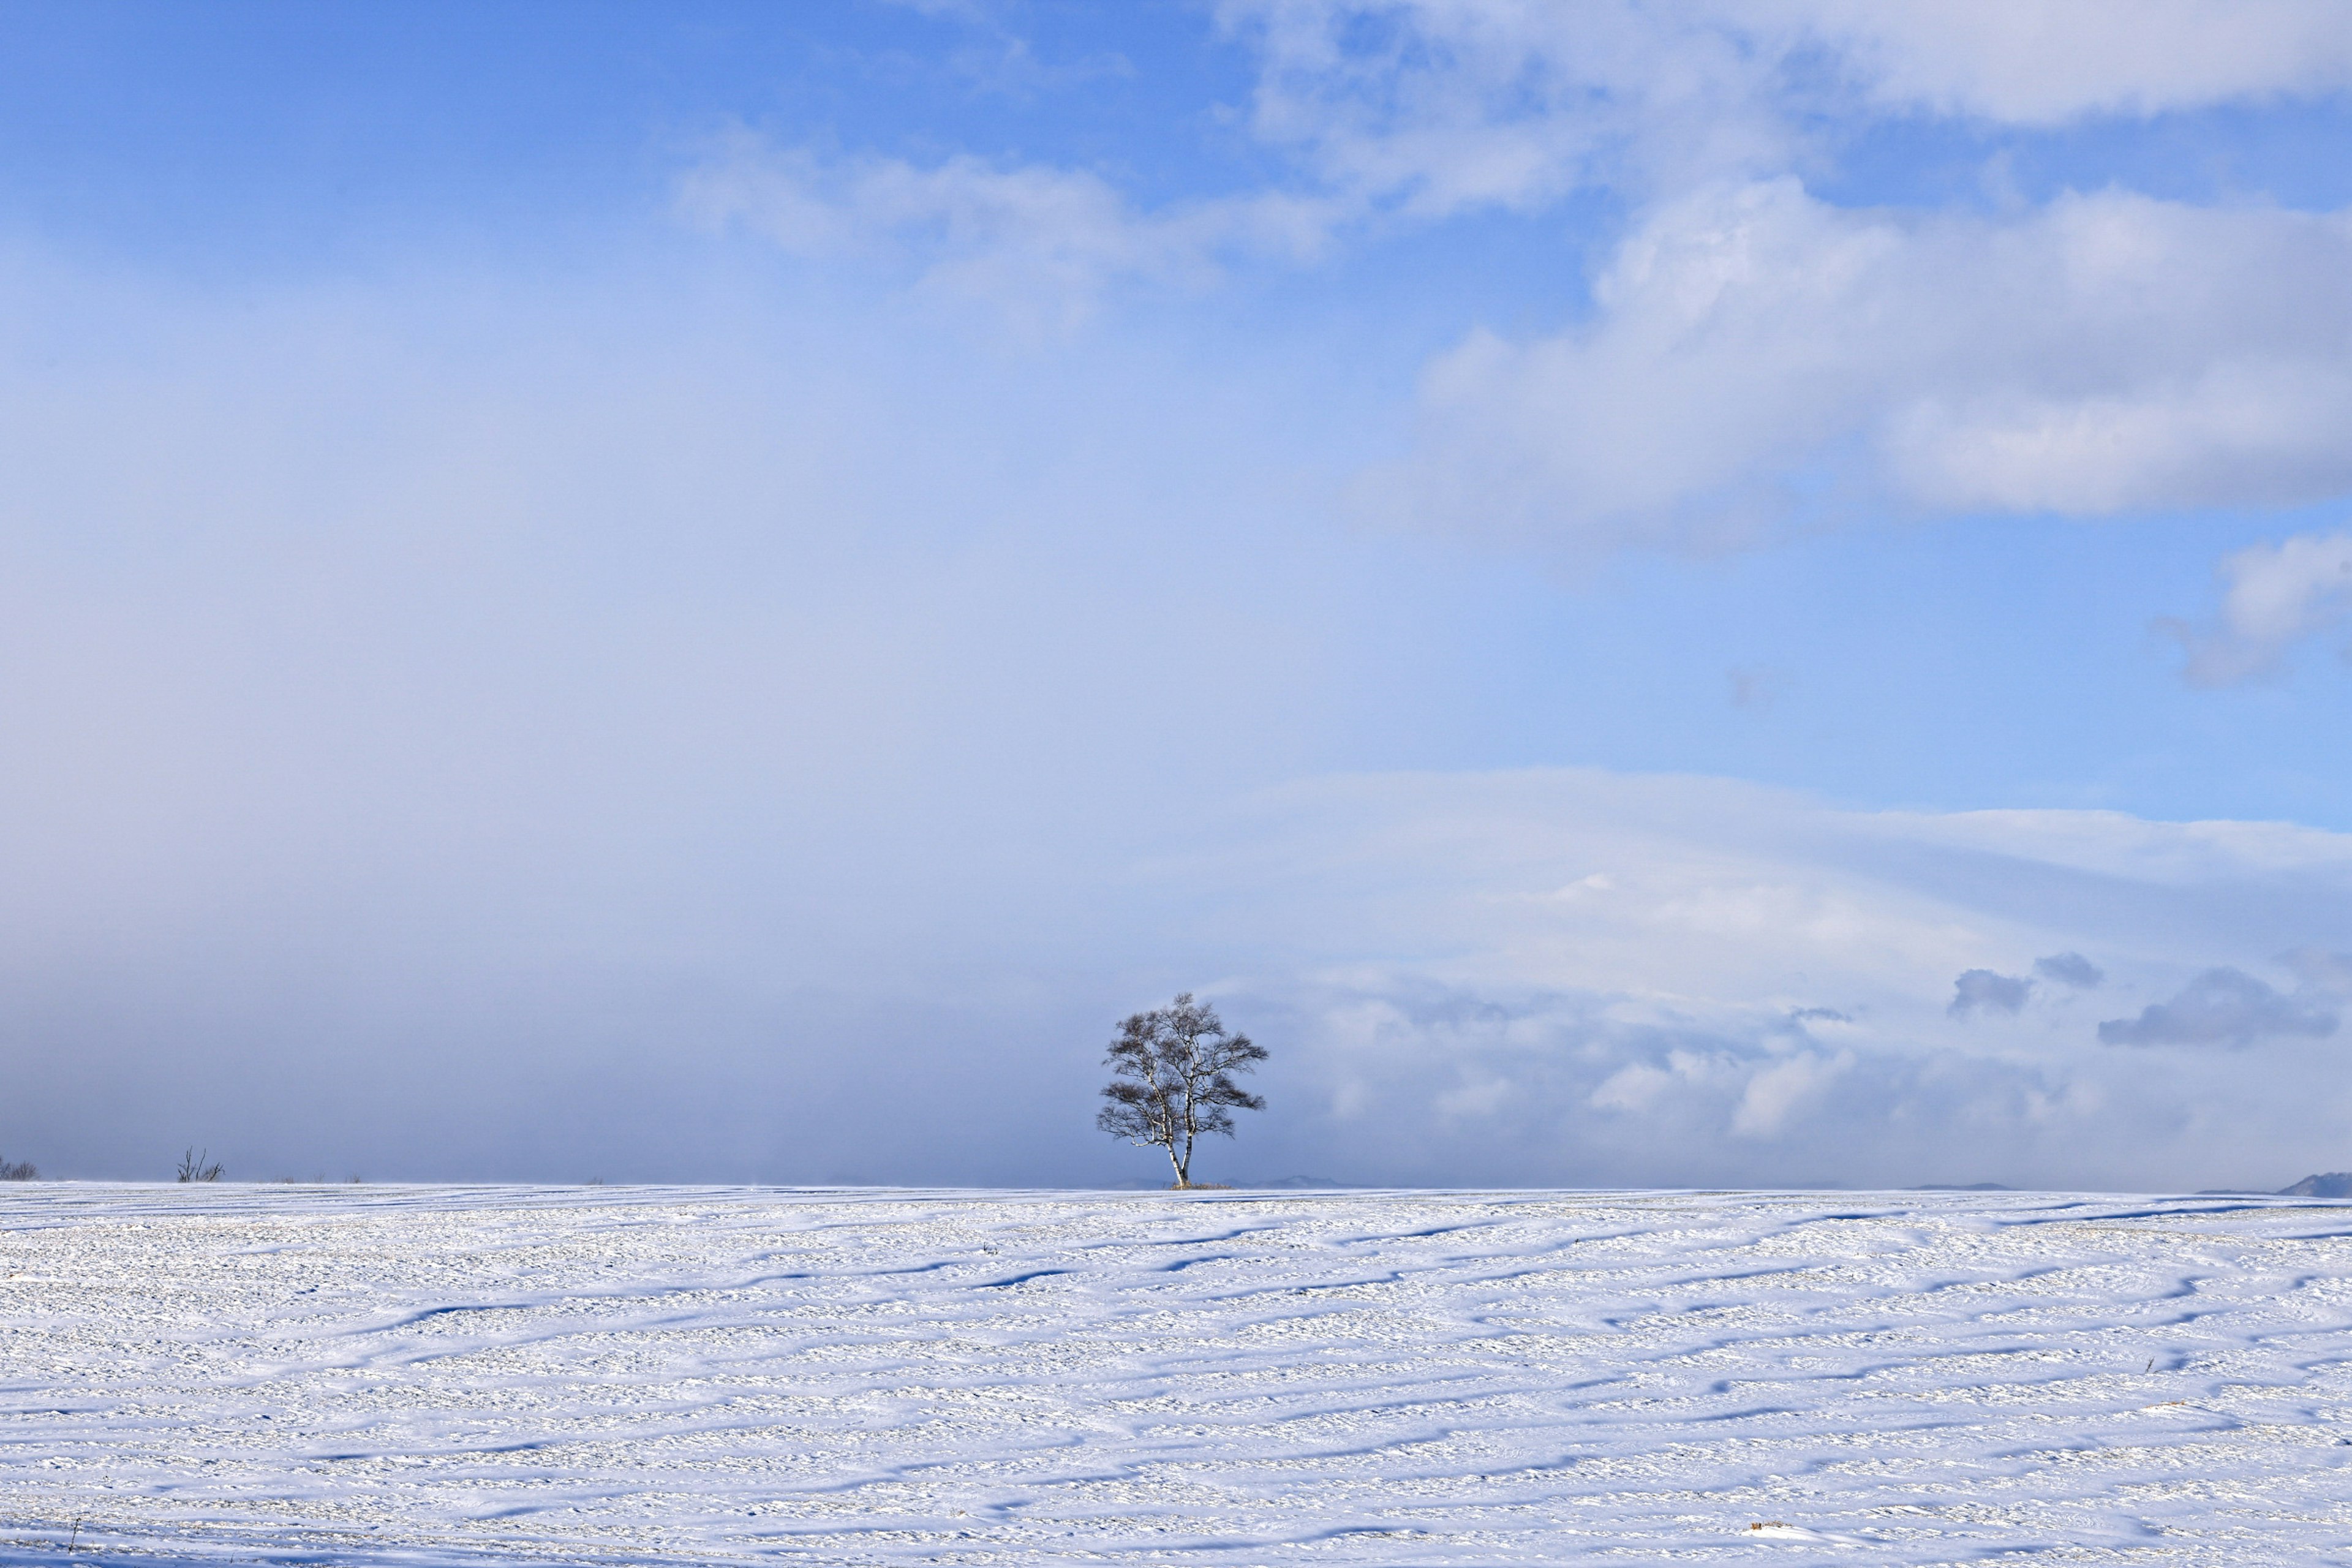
<point>1689,981</point>
<point>1524,979</point>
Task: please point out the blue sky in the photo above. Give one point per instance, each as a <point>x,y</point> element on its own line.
<point>712,591</point>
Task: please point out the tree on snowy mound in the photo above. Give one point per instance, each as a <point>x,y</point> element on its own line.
<point>1172,1080</point>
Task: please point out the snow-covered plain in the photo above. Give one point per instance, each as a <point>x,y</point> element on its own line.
<point>673,1375</point>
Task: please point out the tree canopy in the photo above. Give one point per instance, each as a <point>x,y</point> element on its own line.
<point>1171,1080</point>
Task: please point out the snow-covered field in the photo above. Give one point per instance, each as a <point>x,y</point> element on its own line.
<point>460,1375</point>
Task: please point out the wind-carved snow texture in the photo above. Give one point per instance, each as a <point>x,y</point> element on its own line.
<point>453,1375</point>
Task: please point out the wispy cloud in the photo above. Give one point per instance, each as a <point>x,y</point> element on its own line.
<point>2273,596</point>
<point>1751,347</point>
<point>1042,244</point>
<point>1444,105</point>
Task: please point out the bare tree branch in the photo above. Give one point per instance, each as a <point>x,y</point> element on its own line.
<point>1172,1080</point>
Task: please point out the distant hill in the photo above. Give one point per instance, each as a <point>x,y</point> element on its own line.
<point>1965,1187</point>
<point>2334,1184</point>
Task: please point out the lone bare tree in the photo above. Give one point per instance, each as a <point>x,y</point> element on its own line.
<point>1171,1080</point>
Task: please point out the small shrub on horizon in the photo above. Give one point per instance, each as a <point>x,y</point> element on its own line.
<point>17,1171</point>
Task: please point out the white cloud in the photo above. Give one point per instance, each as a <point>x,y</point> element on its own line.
<point>1752,343</point>
<point>1680,1029</point>
<point>1042,243</point>
<point>1634,1088</point>
<point>1773,1093</point>
<point>1752,348</point>
<point>2025,62</point>
<point>2276,595</point>
<point>1440,105</point>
